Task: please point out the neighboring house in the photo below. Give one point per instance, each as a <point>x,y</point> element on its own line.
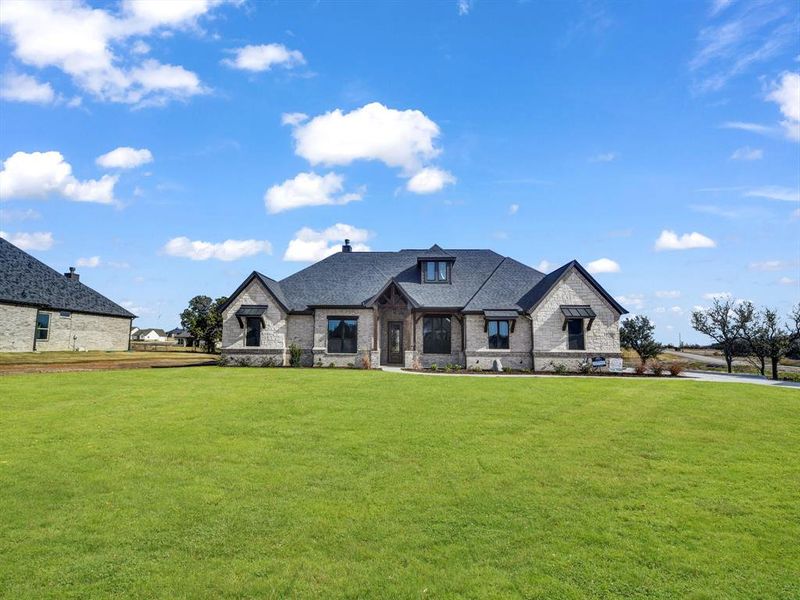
<point>41,309</point>
<point>423,307</point>
<point>150,334</point>
<point>173,332</point>
<point>184,338</point>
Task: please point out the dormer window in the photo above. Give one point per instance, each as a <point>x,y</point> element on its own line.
<point>436,271</point>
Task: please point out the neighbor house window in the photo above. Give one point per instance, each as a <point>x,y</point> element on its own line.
<point>253,331</point>
<point>436,271</point>
<point>498,334</point>
<point>436,335</point>
<point>342,335</point>
<point>575,334</point>
<point>42,326</point>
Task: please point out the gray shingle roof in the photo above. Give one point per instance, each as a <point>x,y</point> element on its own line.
<point>25,280</point>
<point>480,280</point>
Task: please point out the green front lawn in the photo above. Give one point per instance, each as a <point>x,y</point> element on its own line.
<point>212,482</point>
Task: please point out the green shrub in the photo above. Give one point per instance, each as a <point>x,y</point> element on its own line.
<point>295,355</point>
<point>331,365</point>
<point>657,367</point>
<point>586,367</point>
<point>558,368</point>
<point>434,367</point>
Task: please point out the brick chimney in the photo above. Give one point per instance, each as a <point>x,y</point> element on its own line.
<point>347,247</point>
<point>72,274</point>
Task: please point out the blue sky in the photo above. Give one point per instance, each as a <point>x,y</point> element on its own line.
<point>169,148</point>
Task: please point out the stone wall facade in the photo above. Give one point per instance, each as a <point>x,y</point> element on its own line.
<point>549,337</point>
<point>479,355</point>
<point>17,328</point>
<point>364,344</point>
<point>67,331</point>
<point>456,355</point>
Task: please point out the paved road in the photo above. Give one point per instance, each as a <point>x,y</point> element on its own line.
<point>687,376</point>
<point>720,361</point>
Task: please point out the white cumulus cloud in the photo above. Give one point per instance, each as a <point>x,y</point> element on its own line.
<point>545,266</point>
<point>668,294</point>
<point>263,57</point>
<point>747,153</point>
<point>228,250</point>
<point>41,174</point>
<point>90,262</point>
<point>125,157</point>
<point>786,94</point>
<point>293,119</point>
<point>308,189</point>
<point>398,138</point>
<point>717,295</point>
<point>93,45</point>
<point>513,209</point>
<point>40,240</point>
<point>669,240</point>
<point>635,301</point>
<point>603,265</point>
<point>24,88</point>
<point>604,157</point>
<point>769,265</point>
<point>310,245</point>
<point>429,180</point>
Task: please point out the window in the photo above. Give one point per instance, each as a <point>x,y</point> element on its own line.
<point>575,334</point>
<point>42,326</point>
<point>436,335</point>
<point>436,271</point>
<point>342,335</point>
<point>498,334</point>
<point>442,267</point>
<point>430,271</point>
<point>253,335</point>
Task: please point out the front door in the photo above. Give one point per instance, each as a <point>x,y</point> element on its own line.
<point>395,343</point>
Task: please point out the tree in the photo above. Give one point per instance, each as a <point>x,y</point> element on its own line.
<point>719,322</point>
<point>637,334</point>
<point>755,333</point>
<point>203,319</point>
<point>779,340</point>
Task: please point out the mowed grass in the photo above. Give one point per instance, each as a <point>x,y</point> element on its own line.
<point>233,483</point>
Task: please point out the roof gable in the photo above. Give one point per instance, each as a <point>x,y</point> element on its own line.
<point>538,293</point>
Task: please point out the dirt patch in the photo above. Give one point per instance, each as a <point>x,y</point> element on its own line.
<point>103,365</point>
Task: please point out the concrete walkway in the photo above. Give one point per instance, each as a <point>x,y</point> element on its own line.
<point>686,376</point>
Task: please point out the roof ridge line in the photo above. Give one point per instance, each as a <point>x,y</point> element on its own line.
<point>485,281</point>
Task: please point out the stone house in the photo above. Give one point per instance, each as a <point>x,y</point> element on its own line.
<point>472,308</point>
<point>43,310</point>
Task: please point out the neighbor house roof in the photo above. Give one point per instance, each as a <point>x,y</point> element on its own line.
<point>481,280</point>
<point>25,280</point>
